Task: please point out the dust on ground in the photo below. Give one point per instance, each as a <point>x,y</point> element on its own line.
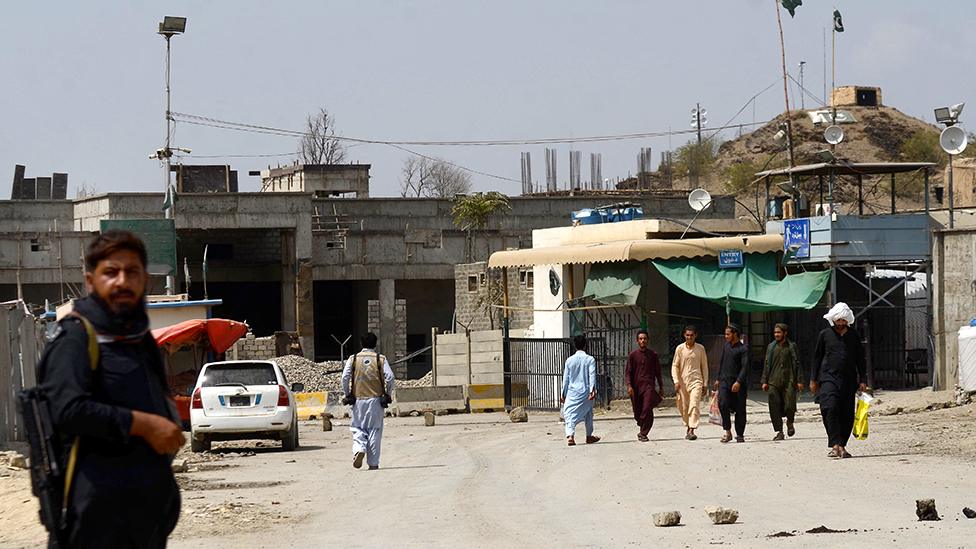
<point>453,479</point>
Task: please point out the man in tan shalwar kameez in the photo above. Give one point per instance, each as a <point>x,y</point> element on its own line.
<point>689,371</point>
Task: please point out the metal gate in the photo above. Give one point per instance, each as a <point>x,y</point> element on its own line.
<point>533,371</point>
<point>882,331</point>
<point>614,330</point>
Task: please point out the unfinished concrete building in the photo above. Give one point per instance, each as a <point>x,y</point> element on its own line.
<point>322,180</point>
<point>296,261</point>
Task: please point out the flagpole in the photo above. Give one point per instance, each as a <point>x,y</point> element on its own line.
<point>833,69</point>
<point>824,35</point>
<point>786,93</point>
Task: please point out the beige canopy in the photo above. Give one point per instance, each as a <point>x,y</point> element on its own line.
<point>639,250</point>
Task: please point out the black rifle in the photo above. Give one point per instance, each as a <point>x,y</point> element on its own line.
<point>52,463</point>
<point>46,460</point>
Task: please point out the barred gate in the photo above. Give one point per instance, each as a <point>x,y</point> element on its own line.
<point>533,371</point>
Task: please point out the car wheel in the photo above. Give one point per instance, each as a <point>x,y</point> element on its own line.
<point>290,442</point>
<point>198,446</point>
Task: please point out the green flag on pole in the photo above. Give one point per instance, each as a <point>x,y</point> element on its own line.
<point>791,6</point>
<point>838,22</point>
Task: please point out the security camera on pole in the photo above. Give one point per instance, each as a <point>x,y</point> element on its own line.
<point>953,141</point>
<point>698,120</point>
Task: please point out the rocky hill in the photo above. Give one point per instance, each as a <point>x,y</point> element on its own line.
<point>876,136</point>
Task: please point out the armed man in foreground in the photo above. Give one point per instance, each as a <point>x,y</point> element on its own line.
<point>367,382</point>
<point>115,413</point>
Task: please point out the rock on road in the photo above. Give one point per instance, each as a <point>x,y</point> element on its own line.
<point>482,481</point>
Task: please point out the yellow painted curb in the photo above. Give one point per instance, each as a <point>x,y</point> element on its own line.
<point>310,404</point>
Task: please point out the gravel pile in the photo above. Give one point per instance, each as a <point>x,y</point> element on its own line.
<point>426,381</point>
<point>302,370</point>
<point>299,369</point>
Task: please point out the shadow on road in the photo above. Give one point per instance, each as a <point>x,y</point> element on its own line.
<point>411,467</point>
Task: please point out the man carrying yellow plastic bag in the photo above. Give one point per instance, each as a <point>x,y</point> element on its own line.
<point>861,416</point>
<point>837,375</point>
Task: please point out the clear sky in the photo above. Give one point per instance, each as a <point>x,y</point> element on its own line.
<point>83,81</point>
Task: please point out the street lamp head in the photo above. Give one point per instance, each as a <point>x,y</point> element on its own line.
<point>172,25</point>
<point>949,115</point>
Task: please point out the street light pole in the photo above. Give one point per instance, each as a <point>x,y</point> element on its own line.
<point>169,27</point>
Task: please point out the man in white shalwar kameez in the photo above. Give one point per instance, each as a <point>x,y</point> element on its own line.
<point>579,390</point>
<point>361,379</point>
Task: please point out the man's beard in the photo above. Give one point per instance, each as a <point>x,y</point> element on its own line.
<point>124,308</point>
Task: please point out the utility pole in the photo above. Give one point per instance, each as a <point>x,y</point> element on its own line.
<point>802,102</point>
<point>698,120</point>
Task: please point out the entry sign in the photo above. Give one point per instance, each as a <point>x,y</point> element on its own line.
<point>730,259</point>
<point>796,233</point>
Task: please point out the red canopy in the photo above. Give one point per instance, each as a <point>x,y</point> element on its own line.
<point>217,333</point>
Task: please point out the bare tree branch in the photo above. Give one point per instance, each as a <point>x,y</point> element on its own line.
<point>432,178</point>
<point>319,144</point>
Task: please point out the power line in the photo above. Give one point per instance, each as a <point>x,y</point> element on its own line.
<point>807,92</point>
<point>290,133</point>
<point>239,126</point>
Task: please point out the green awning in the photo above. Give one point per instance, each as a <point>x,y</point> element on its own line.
<point>615,283</point>
<point>754,287</point>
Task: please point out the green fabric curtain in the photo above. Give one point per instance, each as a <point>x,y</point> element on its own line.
<point>755,287</point>
<point>615,283</point>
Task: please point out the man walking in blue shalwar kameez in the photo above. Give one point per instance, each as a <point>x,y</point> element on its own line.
<point>578,392</point>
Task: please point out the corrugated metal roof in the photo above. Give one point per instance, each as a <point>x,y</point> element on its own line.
<point>849,168</point>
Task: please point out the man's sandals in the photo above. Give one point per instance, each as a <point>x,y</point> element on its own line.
<point>570,441</point>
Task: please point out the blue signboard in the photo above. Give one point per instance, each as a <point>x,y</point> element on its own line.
<point>796,234</point>
<point>730,259</point>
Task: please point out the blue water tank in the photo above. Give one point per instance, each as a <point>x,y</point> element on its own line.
<point>587,216</point>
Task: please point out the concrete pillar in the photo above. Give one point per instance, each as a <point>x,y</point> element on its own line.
<point>655,296</point>
<point>305,310</point>
<point>387,333</point>
<point>289,304</point>
<point>303,268</point>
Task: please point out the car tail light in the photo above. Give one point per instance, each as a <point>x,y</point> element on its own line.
<point>282,396</point>
<point>196,402</point>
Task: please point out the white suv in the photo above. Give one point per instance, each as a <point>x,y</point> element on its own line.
<point>243,399</point>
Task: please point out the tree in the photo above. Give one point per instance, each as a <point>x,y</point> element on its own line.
<point>473,211</point>
<point>739,177</point>
<point>432,178</point>
<point>923,146</point>
<point>86,190</point>
<point>694,159</point>
<point>319,145</point>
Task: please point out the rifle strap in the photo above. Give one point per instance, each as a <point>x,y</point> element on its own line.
<point>93,357</point>
<point>352,382</point>
<point>379,370</point>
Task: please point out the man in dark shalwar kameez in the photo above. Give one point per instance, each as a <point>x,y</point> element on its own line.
<point>643,369</point>
<point>838,372</point>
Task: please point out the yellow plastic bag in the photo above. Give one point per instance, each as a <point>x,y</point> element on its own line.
<point>861,416</point>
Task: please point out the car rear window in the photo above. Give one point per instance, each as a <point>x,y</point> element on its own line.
<point>248,373</point>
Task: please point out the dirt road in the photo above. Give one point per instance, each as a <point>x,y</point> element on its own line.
<point>481,481</point>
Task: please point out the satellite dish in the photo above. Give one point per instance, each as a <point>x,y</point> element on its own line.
<point>699,199</point>
<point>953,140</point>
<point>834,134</point>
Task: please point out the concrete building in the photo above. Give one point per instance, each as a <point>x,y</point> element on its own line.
<point>294,261</point>
<point>953,293</point>
<point>856,96</point>
<point>322,180</point>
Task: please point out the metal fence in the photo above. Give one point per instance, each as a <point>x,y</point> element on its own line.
<point>883,334</point>
<point>615,330</point>
<point>21,342</point>
<point>534,371</point>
